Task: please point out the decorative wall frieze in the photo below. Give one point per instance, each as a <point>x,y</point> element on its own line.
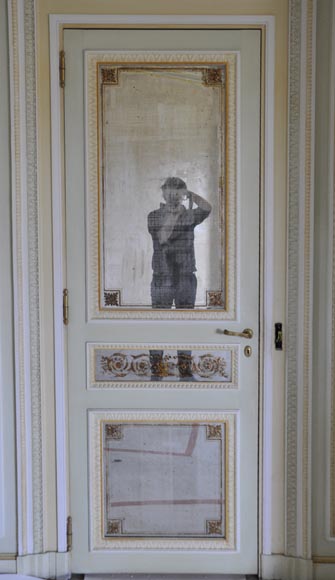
<point>26,274</point>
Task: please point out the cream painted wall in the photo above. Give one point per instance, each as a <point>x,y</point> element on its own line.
<point>7,425</point>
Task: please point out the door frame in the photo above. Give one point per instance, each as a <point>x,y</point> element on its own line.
<point>266,24</point>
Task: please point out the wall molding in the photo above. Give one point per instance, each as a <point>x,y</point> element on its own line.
<point>26,273</point>
<point>302,41</point>
<point>7,401</point>
<point>21,17</point>
<point>33,268</point>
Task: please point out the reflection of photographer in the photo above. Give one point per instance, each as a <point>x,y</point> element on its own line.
<point>173,262</point>
<point>172,230</point>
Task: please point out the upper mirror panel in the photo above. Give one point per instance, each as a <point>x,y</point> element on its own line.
<point>162,199</point>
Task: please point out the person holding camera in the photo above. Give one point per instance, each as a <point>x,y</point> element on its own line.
<point>174,282</point>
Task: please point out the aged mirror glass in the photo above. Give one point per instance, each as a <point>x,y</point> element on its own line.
<point>162,187</point>
<point>184,491</point>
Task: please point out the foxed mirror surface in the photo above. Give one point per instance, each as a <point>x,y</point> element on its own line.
<point>164,480</point>
<point>162,187</point>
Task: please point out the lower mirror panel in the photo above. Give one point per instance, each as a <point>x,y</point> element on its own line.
<point>163,480</point>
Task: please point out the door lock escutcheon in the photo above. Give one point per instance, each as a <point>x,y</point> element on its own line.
<point>248,351</point>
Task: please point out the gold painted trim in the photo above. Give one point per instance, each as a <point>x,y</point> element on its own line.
<point>8,557</point>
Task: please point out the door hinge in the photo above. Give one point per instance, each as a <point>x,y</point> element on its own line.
<point>65,306</point>
<point>69,533</point>
<point>62,69</point>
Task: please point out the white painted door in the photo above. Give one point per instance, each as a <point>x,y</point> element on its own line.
<point>163,408</point>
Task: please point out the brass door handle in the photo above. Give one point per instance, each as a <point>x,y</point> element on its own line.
<point>246,333</point>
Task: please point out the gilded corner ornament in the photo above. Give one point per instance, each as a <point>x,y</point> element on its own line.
<point>213,77</point>
<point>114,527</point>
<point>112,298</point>
<point>215,298</point>
<point>113,431</point>
<point>214,432</point>
<point>109,76</point>
<point>214,527</point>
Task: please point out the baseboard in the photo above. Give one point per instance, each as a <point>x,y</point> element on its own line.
<point>278,567</point>
<point>274,567</point>
<point>164,577</point>
<point>8,566</point>
<point>52,565</point>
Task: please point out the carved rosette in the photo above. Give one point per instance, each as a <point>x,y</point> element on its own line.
<point>118,364</point>
<point>209,365</point>
<point>140,365</point>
